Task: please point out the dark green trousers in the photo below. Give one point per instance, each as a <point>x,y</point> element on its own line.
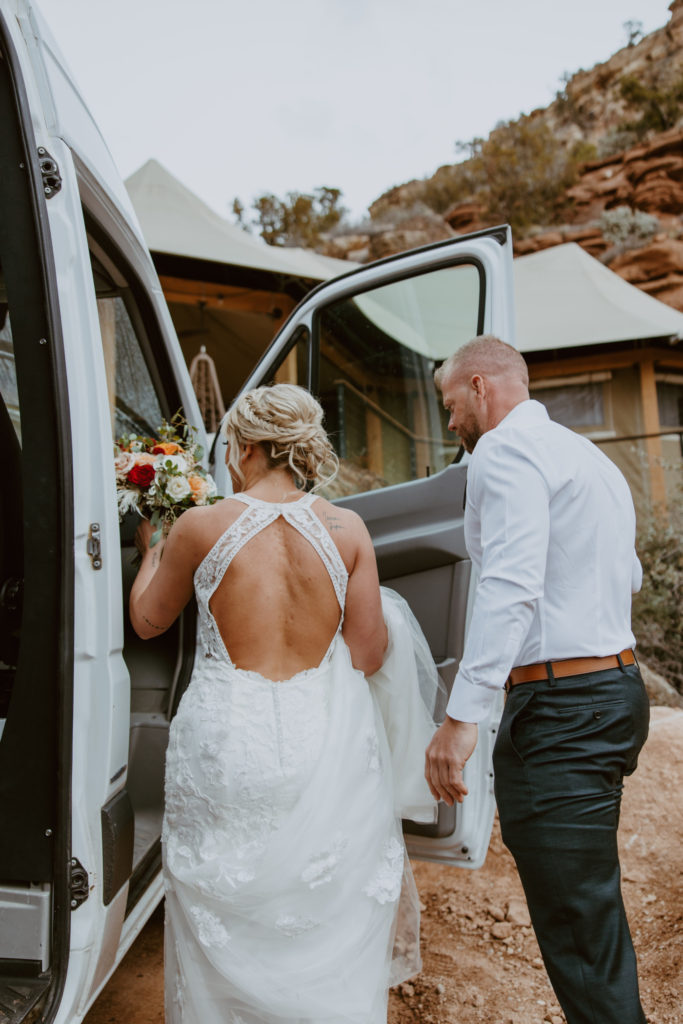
<point>560,757</point>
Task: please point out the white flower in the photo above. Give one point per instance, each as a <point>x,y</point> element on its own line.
<point>178,488</point>
<point>178,463</point>
<point>123,463</point>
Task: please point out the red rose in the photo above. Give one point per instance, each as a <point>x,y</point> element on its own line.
<point>141,476</point>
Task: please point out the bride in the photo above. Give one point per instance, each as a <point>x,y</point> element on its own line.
<point>289,897</point>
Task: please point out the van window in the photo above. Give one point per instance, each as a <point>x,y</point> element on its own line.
<point>378,351</point>
<point>136,401</point>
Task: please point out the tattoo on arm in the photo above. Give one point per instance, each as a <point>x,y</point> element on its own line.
<point>160,628</point>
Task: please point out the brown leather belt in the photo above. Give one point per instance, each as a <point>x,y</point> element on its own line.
<point>569,667</point>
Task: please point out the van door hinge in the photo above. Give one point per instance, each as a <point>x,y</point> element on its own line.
<point>52,179</point>
<point>80,883</point>
<point>94,546</point>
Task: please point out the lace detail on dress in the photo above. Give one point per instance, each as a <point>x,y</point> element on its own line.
<point>256,517</point>
<point>322,866</point>
<point>385,885</point>
<point>293,925</point>
<point>372,750</point>
<point>209,928</point>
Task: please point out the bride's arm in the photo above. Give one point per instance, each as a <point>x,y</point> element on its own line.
<point>163,586</point>
<point>364,629</point>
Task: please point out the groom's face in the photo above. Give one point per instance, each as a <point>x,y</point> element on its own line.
<point>462,403</point>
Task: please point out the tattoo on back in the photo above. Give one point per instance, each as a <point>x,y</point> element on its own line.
<point>333,522</point>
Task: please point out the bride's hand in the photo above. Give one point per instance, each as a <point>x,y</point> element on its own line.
<point>143,535</point>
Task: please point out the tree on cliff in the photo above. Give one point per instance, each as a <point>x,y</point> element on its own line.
<point>298,219</point>
<point>520,171</point>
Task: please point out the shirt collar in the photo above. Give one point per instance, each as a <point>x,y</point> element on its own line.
<point>528,411</point>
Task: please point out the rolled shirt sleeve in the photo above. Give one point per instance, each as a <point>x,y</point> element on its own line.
<point>508,507</point>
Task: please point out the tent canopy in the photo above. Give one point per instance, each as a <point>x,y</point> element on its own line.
<point>566,298</point>
<point>174,220</point>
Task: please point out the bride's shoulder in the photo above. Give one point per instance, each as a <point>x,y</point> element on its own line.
<point>346,528</point>
<point>205,523</point>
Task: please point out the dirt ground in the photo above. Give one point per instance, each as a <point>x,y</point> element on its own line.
<point>481,961</point>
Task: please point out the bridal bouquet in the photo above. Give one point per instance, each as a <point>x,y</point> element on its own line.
<point>160,478</point>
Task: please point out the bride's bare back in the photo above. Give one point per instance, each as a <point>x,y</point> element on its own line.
<point>276,608</point>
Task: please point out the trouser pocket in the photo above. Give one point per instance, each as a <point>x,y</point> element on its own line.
<point>514,713</point>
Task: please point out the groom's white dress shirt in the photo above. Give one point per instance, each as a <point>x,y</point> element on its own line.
<point>550,529</point>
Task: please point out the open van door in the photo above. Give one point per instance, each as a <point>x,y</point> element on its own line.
<point>87,353</point>
<point>366,344</point>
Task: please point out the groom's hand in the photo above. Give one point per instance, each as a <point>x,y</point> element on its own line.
<point>451,746</point>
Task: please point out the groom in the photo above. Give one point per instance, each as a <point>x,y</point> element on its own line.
<point>549,526</point>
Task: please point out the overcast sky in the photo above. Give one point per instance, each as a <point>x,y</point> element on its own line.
<point>241,97</point>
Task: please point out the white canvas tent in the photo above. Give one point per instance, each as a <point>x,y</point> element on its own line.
<point>175,221</point>
<point>567,299</point>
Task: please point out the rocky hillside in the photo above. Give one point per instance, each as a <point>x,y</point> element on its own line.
<point>606,171</point>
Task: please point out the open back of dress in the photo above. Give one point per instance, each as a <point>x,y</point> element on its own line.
<point>283,857</point>
<point>255,520</point>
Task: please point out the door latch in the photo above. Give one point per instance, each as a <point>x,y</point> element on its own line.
<point>80,883</point>
<point>52,179</point>
<point>94,546</point>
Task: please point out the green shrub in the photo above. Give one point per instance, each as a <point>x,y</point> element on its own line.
<point>521,171</point>
<point>657,608</point>
<point>627,228</point>
<point>660,106</point>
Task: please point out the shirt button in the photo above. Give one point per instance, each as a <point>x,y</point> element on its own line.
<point>597,714</point>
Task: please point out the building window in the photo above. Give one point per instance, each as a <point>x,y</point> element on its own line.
<point>575,402</point>
<point>670,403</point>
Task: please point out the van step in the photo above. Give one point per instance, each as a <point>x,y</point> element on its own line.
<point>18,996</point>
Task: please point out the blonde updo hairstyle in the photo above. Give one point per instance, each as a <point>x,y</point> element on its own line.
<point>286,421</point>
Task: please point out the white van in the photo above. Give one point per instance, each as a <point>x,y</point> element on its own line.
<point>88,350</point>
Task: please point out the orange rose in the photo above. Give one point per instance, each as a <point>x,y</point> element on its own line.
<point>166,448</point>
<point>144,458</point>
<point>198,486</point>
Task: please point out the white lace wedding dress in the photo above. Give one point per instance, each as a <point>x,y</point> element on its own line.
<point>289,896</point>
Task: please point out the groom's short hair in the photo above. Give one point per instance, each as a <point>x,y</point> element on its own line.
<point>486,355</point>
